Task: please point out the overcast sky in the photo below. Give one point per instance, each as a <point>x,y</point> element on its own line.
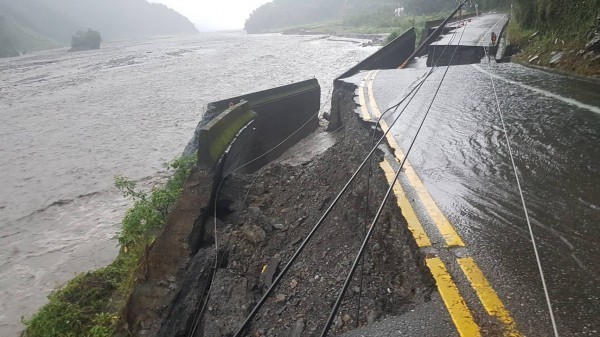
<point>215,14</point>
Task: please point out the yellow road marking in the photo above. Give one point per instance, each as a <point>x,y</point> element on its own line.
<point>489,298</point>
<point>361,98</point>
<point>414,225</point>
<point>455,303</point>
<point>460,313</point>
<point>444,226</point>
<point>370,91</point>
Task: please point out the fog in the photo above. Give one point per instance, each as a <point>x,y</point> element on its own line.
<point>215,14</point>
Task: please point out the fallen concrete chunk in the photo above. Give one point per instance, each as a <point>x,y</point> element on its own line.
<point>279,226</point>
<point>594,43</point>
<point>534,58</point>
<point>556,58</point>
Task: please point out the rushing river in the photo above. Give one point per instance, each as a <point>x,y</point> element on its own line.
<point>70,122</point>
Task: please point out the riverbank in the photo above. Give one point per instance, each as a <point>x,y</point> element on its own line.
<point>74,110</point>
<point>375,28</point>
<point>92,303</point>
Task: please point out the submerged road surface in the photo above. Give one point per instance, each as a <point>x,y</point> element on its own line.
<point>464,44</point>
<point>460,196</point>
<point>465,195</point>
<point>476,31</point>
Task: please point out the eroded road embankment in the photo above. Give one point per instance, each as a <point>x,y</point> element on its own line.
<point>462,159</point>
<point>262,218</point>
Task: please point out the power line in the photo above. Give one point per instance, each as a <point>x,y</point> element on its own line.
<point>395,108</point>
<point>199,314</point>
<point>274,284</point>
<point>338,302</point>
<point>532,236</point>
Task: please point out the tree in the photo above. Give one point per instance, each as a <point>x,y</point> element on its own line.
<point>86,40</point>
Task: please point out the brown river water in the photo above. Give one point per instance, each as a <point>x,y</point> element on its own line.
<point>71,122</point>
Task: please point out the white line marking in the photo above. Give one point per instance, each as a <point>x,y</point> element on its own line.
<point>543,92</point>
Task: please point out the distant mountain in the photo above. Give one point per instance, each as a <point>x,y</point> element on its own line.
<point>288,13</point>
<point>279,14</point>
<point>114,19</point>
<point>16,40</point>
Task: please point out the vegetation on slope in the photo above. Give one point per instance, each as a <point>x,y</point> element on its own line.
<point>544,29</point>
<point>371,16</point>
<point>16,40</point>
<point>564,17</point>
<point>90,305</point>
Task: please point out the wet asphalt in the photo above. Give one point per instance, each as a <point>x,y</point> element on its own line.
<point>462,158</point>
<point>476,32</point>
<point>461,155</point>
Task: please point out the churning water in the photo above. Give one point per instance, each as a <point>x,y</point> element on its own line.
<point>70,122</point>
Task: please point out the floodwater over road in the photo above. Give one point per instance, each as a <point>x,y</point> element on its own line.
<point>70,122</point>
<point>461,155</point>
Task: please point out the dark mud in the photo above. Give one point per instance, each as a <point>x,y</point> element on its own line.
<point>263,217</point>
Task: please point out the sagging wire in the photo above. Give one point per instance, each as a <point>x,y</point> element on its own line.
<point>518,180</point>
<point>338,302</point>
<point>415,90</point>
<point>200,313</point>
<point>266,295</point>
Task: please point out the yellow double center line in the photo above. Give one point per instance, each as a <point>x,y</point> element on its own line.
<point>454,301</point>
<point>441,222</point>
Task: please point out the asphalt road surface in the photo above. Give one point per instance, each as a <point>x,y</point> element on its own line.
<point>461,185</point>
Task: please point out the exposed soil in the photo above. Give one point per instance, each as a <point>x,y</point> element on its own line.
<point>263,218</point>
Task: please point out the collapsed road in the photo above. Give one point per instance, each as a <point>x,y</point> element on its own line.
<point>451,254</point>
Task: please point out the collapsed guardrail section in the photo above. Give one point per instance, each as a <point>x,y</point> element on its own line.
<point>176,270</point>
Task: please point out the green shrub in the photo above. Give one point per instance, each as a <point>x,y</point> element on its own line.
<point>150,211</point>
<point>391,37</point>
<point>90,305</point>
<point>86,40</point>
<point>75,308</point>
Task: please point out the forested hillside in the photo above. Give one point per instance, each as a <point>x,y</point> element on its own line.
<point>353,13</point>
<point>58,20</point>
<point>15,40</point>
<point>558,16</point>
<point>558,34</point>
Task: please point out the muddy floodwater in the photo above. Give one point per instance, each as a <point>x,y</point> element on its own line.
<point>70,122</point>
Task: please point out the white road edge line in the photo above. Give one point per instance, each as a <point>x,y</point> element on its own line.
<point>542,92</point>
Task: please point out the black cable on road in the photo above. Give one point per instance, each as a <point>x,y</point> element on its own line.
<point>284,271</point>
<point>395,108</point>
<point>266,295</point>
<point>338,302</point>
<point>200,313</point>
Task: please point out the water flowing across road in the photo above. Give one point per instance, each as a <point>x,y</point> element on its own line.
<point>70,122</point>
<point>461,155</point>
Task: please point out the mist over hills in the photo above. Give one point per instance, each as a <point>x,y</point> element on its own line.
<point>288,13</point>
<point>15,39</point>
<point>58,20</point>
